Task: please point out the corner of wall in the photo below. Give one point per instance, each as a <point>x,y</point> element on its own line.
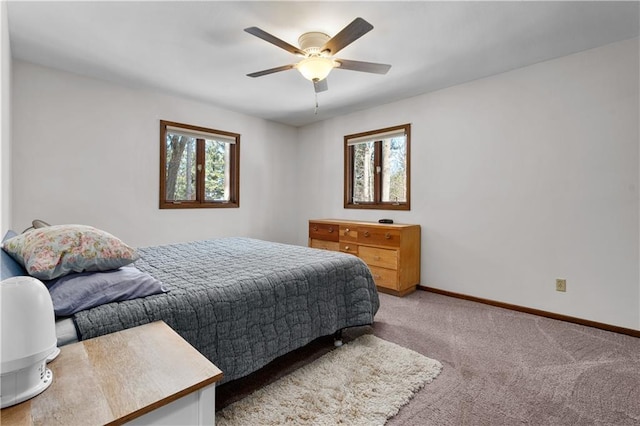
<point>5,120</point>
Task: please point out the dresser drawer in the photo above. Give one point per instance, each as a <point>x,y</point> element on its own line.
<point>384,258</point>
<point>348,233</point>
<point>349,248</point>
<point>324,244</point>
<point>379,236</point>
<point>383,277</point>
<point>324,231</point>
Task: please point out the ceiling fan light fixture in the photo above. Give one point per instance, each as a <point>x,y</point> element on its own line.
<point>318,49</point>
<point>315,68</point>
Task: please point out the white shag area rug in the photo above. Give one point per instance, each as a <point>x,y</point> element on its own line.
<point>364,382</point>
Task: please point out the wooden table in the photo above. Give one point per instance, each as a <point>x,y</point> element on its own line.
<point>142,375</point>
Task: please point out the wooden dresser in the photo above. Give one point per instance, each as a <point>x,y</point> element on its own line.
<point>392,251</point>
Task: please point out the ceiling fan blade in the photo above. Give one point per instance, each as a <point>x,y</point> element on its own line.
<point>371,67</point>
<point>274,40</point>
<point>348,35</point>
<point>320,86</point>
<point>271,71</point>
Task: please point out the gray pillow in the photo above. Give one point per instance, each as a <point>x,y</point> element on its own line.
<point>37,223</point>
<point>10,268</point>
<point>76,292</point>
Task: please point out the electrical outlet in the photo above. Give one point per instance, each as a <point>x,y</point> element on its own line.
<point>561,284</point>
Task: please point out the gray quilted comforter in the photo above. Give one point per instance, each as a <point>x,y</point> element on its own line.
<point>243,302</point>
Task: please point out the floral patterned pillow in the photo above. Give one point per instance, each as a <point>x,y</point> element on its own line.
<point>58,250</point>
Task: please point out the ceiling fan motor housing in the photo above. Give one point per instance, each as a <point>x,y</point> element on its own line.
<point>312,42</point>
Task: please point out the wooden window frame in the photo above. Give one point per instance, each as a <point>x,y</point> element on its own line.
<point>377,204</point>
<point>200,202</point>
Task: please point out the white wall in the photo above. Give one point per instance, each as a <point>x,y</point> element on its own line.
<point>517,179</point>
<point>87,151</point>
<point>5,121</point>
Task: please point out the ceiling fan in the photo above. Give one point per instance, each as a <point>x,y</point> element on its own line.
<point>318,49</point>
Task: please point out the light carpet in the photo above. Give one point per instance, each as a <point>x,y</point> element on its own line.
<point>364,382</point>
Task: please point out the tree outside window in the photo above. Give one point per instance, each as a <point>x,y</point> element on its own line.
<point>199,167</point>
<point>377,169</point>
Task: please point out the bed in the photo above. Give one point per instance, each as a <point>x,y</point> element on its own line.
<point>242,302</point>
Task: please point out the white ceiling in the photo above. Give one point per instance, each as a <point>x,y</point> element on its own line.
<point>199,49</point>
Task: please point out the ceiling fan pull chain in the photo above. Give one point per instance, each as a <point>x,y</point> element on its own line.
<point>315,111</point>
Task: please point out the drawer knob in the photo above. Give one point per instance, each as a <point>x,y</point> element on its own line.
<point>315,228</point>
<point>330,229</point>
<point>376,257</point>
<point>366,233</point>
<point>377,277</point>
<point>387,235</point>
<point>346,231</point>
<point>346,247</point>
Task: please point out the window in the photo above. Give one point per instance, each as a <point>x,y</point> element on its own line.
<point>376,169</point>
<point>199,167</point>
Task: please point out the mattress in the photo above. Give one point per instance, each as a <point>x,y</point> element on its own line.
<point>243,302</point>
